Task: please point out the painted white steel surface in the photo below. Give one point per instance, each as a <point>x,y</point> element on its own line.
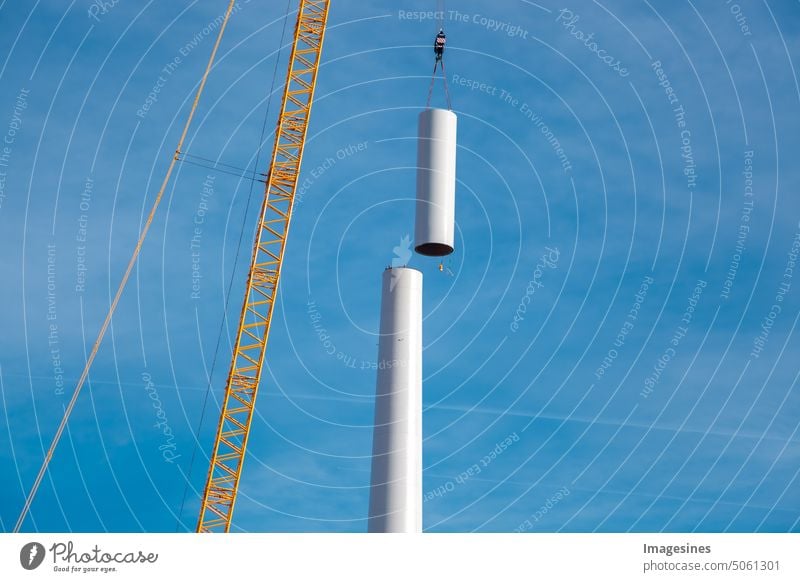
<point>436,182</point>
<point>395,503</point>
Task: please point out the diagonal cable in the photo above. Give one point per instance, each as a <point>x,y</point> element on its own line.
<point>85,374</point>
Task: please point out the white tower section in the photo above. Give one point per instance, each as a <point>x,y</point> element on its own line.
<point>436,182</point>
<point>395,501</point>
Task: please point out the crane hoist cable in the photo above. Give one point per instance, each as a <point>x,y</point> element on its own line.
<point>433,79</point>
<point>140,242</point>
<point>438,51</point>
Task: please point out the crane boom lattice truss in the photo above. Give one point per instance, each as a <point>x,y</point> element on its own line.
<point>219,495</point>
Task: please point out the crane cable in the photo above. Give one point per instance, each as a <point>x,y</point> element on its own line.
<point>440,26</point>
<point>446,89</point>
<point>210,164</point>
<point>124,281</point>
<point>233,271</point>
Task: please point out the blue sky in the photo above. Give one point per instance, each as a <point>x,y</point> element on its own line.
<point>668,221</point>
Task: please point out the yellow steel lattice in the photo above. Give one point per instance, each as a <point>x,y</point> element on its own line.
<point>219,495</point>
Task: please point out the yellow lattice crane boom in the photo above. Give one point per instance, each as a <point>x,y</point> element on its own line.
<point>230,444</point>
